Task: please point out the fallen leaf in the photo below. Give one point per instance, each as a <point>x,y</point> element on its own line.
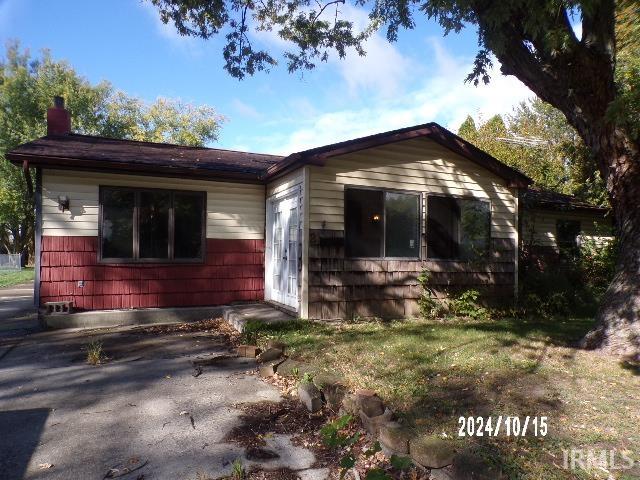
<point>45,466</point>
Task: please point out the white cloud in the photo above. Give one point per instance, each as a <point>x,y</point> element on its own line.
<point>168,32</point>
<point>245,109</point>
<point>443,97</point>
<point>380,73</point>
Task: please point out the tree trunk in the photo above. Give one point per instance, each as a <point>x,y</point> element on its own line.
<point>617,329</point>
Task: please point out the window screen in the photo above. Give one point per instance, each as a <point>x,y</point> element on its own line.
<point>458,228</point>
<point>382,224</point>
<point>117,223</point>
<point>154,224</point>
<point>364,224</point>
<point>402,224</point>
<point>148,225</point>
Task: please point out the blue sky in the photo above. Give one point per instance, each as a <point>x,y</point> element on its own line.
<point>418,79</point>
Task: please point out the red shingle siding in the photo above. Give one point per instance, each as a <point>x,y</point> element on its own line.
<point>233,271</point>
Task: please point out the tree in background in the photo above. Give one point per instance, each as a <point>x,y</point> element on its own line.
<point>537,140</point>
<point>533,40</point>
<point>27,87</point>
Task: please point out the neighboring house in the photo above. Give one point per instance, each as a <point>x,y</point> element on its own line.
<point>338,231</point>
<point>552,222</point>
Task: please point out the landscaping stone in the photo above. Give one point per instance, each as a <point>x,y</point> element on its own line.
<point>314,474</point>
<point>372,424</point>
<point>369,403</point>
<point>395,437</point>
<point>310,396</point>
<point>349,405</point>
<point>249,351</point>
<point>269,369</point>
<point>431,451</point>
<point>442,474</point>
<point>269,354</point>
<point>280,345</point>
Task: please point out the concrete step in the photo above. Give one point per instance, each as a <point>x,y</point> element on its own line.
<point>239,315</point>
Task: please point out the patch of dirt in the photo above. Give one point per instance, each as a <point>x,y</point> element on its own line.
<point>214,325</point>
<point>280,474</point>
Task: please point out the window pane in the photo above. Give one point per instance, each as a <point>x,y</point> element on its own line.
<point>458,228</point>
<point>154,224</point>
<point>402,235</point>
<point>117,223</point>
<point>363,222</point>
<point>567,232</point>
<point>475,218</point>
<point>443,221</point>
<point>188,225</point>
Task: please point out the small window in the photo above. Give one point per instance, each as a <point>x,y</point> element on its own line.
<point>382,224</point>
<point>567,232</point>
<point>151,225</point>
<point>458,228</point>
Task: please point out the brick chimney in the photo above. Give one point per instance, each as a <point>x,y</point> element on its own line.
<point>58,118</point>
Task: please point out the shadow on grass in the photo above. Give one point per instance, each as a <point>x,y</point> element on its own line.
<point>558,331</point>
<point>631,365</point>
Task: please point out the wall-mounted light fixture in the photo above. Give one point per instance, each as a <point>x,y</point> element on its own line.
<point>63,203</point>
<point>375,218</point>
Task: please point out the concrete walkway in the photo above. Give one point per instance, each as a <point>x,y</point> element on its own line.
<point>61,418</point>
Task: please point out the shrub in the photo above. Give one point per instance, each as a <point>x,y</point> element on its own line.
<point>574,284</point>
<point>95,354</point>
<point>466,304</point>
<point>430,306</point>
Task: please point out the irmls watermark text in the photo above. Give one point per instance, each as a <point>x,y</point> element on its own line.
<point>590,459</point>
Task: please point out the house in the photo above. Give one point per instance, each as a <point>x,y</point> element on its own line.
<point>337,231</point>
<point>552,222</point>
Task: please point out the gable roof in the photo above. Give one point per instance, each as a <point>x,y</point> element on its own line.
<point>101,153</point>
<point>433,131</point>
<point>89,152</point>
<point>548,200</point>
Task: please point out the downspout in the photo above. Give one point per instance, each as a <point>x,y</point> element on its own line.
<point>27,177</point>
<point>38,239</point>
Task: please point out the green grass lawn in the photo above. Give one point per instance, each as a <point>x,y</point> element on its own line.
<point>433,373</point>
<point>15,277</point>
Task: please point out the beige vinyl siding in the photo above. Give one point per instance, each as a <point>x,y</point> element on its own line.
<point>539,226</point>
<point>285,182</point>
<point>234,210</point>
<point>419,165</point>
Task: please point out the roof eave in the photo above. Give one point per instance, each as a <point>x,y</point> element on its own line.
<point>65,163</point>
<point>432,131</point>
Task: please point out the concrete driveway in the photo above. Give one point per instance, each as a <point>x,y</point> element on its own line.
<point>17,313</point>
<point>61,418</point>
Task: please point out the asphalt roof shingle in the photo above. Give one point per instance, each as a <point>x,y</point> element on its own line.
<point>83,149</point>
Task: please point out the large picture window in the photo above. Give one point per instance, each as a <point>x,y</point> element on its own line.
<point>142,225</point>
<point>458,228</point>
<point>382,223</point>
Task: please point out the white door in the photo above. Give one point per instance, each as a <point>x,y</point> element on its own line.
<point>284,233</point>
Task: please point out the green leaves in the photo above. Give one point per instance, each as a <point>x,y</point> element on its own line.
<point>27,87</point>
<point>537,139</point>
<point>377,474</point>
<point>331,435</point>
